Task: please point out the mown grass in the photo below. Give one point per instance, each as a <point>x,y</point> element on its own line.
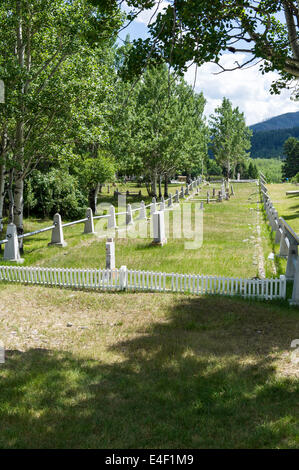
<point>146,371</point>
<point>229,243</point>
<point>286,206</point>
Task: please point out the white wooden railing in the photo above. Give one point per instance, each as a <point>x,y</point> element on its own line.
<point>287,239</point>
<point>133,280</point>
<point>90,217</point>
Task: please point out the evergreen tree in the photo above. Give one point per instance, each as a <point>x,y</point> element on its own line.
<point>291,150</point>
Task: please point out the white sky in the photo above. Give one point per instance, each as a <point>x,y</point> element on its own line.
<point>247,89</point>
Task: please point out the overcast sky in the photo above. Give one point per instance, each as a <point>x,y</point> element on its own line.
<point>247,89</point>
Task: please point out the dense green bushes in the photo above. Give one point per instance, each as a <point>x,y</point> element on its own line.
<point>55,191</point>
<point>271,168</point>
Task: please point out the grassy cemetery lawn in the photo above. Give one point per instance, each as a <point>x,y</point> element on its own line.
<point>99,370</point>
<point>88,369</point>
<point>287,206</point>
<point>230,242</point>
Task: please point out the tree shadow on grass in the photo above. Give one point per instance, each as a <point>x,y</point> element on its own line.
<point>204,377</point>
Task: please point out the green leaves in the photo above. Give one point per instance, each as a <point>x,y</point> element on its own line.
<point>200,31</point>
<point>291,151</point>
<point>230,136</point>
<point>161,129</point>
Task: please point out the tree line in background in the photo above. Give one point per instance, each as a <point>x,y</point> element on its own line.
<point>270,144</point>
<point>290,168</point>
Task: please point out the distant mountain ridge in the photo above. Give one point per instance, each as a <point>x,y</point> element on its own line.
<point>269,136</point>
<point>283,121</point>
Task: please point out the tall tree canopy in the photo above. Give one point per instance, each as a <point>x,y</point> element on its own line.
<point>230,136</point>
<point>200,31</point>
<point>161,129</point>
<point>51,61</point>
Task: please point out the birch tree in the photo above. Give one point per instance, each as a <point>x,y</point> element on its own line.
<point>42,49</point>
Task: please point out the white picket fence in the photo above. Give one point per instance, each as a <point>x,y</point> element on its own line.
<point>132,280</point>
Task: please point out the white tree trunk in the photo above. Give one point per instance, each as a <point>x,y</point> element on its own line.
<point>19,207</point>
<point>2,187</point>
<point>154,184</point>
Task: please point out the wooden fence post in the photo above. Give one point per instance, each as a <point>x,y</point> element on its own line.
<point>123,277</point>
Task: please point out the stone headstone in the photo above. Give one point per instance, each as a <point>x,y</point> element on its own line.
<point>129,215</point>
<point>153,206</point>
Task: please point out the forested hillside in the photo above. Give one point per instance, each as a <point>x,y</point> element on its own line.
<point>269,144</point>
<point>283,121</point>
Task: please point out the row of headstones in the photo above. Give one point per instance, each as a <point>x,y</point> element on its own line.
<point>288,244</point>
<point>12,252</point>
<point>224,194</point>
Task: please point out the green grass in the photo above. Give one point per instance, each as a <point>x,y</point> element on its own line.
<point>146,371</point>
<point>286,206</point>
<point>229,243</point>
<point>270,167</point>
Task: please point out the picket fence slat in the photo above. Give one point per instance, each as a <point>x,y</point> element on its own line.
<point>106,279</point>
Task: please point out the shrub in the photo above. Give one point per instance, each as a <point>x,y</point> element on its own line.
<point>55,191</point>
<point>295,178</point>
